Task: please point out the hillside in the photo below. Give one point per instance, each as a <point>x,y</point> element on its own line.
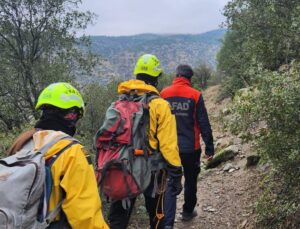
<point>120,53</point>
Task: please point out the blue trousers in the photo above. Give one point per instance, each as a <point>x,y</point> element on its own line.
<point>191,169</point>
<point>169,206</point>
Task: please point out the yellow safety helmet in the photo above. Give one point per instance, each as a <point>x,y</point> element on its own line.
<point>148,64</point>
<point>61,95</point>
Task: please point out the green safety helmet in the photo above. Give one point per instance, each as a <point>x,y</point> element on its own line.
<point>148,64</point>
<point>61,95</point>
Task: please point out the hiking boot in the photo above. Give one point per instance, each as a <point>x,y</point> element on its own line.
<point>187,216</point>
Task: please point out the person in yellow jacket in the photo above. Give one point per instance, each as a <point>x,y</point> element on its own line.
<point>74,181</point>
<point>162,136</point>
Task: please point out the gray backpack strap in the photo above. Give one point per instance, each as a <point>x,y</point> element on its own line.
<point>46,147</point>
<point>27,153</point>
<point>51,216</point>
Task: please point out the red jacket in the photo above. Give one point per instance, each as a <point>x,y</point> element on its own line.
<point>191,116</point>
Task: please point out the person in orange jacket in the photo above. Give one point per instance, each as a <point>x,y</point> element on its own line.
<point>72,172</point>
<point>192,121</point>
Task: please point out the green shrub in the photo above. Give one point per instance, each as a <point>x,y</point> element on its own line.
<point>8,137</point>
<point>164,81</point>
<point>278,207</point>
<point>269,114</point>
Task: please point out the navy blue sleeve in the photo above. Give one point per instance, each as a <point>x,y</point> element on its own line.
<point>205,128</point>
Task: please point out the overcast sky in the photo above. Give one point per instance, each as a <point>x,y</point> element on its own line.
<point>129,17</point>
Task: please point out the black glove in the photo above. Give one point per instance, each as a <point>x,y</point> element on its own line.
<point>174,179</point>
<point>209,150</point>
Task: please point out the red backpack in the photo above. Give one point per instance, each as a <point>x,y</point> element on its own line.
<point>124,161</point>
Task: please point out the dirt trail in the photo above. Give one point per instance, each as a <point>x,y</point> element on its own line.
<point>225,199</point>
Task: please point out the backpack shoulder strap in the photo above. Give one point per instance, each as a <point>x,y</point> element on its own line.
<point>47,146</point>
<point>51,160</point>
<point>148,97</point>
<point>151,97</point>
<point>47,189</point>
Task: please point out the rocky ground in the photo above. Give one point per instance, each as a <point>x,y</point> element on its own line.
<point>226,194</point>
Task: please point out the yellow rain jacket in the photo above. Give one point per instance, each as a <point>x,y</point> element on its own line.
<point>73,173</point>
<point>162,128</point>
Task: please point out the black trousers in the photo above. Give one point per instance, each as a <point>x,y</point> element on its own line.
<point>119,217</point>
<point>191,169</point>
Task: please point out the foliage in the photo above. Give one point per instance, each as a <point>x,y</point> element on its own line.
<point>164,81</point>
<point>269,114</point>
<point>215,79</point>
<point>269,29</point>
<point>202,74</point>
<point>97,98</point>
<point>37,43</point>
<point>262,42</point>
<point>7,138</point>
<point>278,207</point>
<point>261,34</point>
<point>229,64</point>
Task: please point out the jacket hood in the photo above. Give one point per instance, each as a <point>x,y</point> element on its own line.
<point>182,81</point>
<point>136,85</point>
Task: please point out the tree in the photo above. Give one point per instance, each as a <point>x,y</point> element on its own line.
<point>233,62</point>
<point>270,29</point>
<point>262,34</point>
<point>37,47</point>
<point>202,74</point>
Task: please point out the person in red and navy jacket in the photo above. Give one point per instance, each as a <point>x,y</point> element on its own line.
<point>191,120</point>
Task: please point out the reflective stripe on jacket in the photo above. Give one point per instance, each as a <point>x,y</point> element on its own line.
<point>162,129</point>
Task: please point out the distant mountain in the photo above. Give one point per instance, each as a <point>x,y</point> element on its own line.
<point>120,53</point>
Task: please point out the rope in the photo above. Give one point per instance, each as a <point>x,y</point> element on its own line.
<point>161,215</point>
<point>161,196</point>
<point>163,184</point>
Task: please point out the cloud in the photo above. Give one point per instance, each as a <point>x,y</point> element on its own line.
<point>128,17</point>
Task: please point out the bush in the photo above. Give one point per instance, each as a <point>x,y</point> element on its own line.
<point>278,207</point>
<point>164,81</point>
<point>269,114</point>
<point>7,138</point>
